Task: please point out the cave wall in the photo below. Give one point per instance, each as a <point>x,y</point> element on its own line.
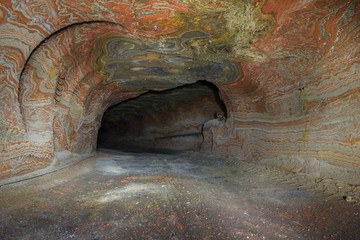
<point>288,72</point>
<point>300,107</point>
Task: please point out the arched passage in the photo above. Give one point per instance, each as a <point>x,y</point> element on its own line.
<point>172,119</point>
<point>55,87</point>
<point>64,92</point>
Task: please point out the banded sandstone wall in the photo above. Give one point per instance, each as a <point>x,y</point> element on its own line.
<point>301,105</point>
<point>288,72</point>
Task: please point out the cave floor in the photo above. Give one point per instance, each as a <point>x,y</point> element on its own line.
<point>117,195</point>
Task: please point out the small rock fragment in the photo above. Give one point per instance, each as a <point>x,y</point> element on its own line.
<point>349,199</point>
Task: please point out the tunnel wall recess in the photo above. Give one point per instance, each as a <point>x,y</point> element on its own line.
<point>287,71</point>
<point>162,121</point>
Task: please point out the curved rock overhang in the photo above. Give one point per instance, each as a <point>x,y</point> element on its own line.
<point>288,72</point>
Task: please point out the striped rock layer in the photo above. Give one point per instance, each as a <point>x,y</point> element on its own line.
<point>287,70</point>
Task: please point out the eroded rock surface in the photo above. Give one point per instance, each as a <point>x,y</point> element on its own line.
<point>287,71</point>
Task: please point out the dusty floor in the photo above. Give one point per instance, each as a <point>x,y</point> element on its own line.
<point>187,196</point>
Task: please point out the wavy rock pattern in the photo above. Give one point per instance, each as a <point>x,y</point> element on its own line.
<point>304,100</point>
<point>288,72</point>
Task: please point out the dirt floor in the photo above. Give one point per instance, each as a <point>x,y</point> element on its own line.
<point>118,195</point>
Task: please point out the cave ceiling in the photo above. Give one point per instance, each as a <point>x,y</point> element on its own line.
<point>196,42</point>
<point>136,65</point>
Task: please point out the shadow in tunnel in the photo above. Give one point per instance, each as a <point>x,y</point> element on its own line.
<point>166,121</point>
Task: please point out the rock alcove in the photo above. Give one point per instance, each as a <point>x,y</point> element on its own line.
<point>169,120</point>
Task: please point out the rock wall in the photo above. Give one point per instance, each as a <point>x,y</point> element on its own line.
<point>288,72</point>
<point>302,103</point>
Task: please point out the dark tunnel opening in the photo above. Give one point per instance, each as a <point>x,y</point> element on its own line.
<point>164,121</point>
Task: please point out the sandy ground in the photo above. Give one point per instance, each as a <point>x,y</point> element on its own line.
<point>118,195</point>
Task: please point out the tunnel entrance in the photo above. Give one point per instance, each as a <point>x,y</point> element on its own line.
<point>162,121</point>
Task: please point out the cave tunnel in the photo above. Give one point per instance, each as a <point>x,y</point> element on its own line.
<point>163,121</point>
<point>180,119</point>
